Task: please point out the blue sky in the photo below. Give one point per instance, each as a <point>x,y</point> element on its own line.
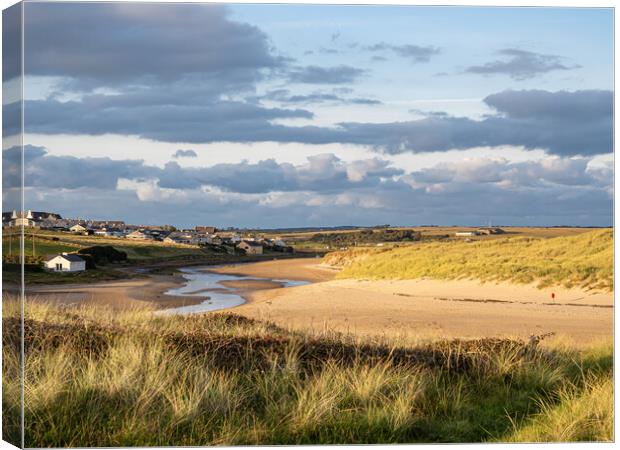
<point>315,115</point>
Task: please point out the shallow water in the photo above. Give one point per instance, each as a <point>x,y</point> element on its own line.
<point>203,283</point>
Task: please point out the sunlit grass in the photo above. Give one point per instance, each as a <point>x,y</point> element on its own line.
<point>102,377</point>
<point>584,260</point>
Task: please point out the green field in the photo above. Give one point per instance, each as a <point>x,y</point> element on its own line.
<point>49,243</point>
<point>584,260</point>
<point>145,253</point>
<point>41,247</point>
<point>100,377</point>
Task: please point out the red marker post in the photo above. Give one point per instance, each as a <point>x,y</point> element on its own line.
<point>553,296</point>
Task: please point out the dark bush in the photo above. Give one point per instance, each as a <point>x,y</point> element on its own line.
<point>103,254</point>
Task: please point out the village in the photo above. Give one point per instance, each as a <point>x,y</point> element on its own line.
<point>229,241</point>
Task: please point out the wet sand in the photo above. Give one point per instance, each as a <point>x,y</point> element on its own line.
<point>119,294</point>
<point>250,285</point>
<point>303,269</point>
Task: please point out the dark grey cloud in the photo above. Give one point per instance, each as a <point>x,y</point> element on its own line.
<point>11,42</point>
<point>69,172</point>
<point>286,96</point>
<point>185,154</point>
<point>562,123</point>
<point>394,203</point>
<point>180,122</point>
<point>324,191</point>
<point>415,53</point>
<point>112,43</point>
<point>324,172</point>
<point>341,74</point>
<point>521,64</point>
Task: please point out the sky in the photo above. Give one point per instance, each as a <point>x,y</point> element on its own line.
<point>313,115</point>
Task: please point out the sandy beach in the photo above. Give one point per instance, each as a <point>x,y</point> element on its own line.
<point>392,308</point>
<point>424,308</point>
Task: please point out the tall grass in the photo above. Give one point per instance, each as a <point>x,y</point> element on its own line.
<point>584,260</point>
<point>100,378</point>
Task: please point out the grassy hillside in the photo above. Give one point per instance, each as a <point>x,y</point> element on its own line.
<point>582,260</point>
<point>42,247</point>
<point>146,253</point>
<point>97,377</point>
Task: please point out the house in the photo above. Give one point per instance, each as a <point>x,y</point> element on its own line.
<point>109,232</point>
<point>139,235</point>
<point>27,218</point>
<point>77,228</point>
<point>209,230</point>
<point>179,238</point>
<point>216,240</point>
<point>466,233</point>
<point>107,224</point>
<point>251,248</point>
<point>200,239</point>
<point>65,262</point>
<point>490,230</point>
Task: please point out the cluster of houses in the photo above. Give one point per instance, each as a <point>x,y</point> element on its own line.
<point>53,221</point>
<point>228,241</point>
<point>480,232</point>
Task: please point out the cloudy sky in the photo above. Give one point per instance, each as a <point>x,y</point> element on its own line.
<point>298,115</point>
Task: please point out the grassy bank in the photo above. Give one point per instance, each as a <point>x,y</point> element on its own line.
<point>583,260</point>
<point>100,378</point>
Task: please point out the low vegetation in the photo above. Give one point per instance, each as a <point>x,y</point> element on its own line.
<point>99,377</point>
<point>584,260</point>
<point>365,237</point>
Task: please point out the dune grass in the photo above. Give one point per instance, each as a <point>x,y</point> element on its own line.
<point>97,377</point>
<point>584,260</point>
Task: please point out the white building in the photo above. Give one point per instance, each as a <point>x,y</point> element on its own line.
<point>465,233</point>
<point>65,262</point>
<point>179,238</point>
<point>139,235</point>
<point>77,228</point>
<point>251,248</point>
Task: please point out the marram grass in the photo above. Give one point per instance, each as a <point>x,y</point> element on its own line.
<point>96,377</point>
<point>584,260</point>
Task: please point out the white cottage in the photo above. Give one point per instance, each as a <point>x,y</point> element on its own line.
<point>77,228</point>
<point>65,262</point>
